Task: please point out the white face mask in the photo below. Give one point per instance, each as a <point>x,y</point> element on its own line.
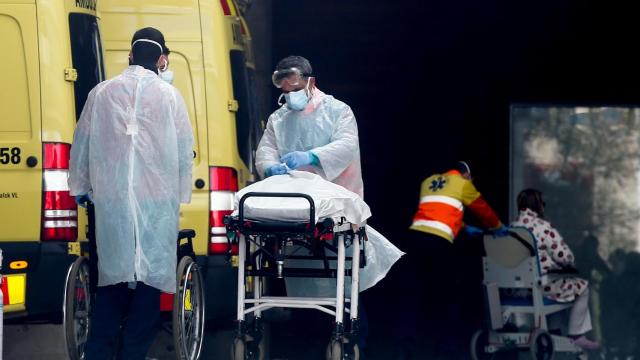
<point>165,73</point>
<point>167,76</point>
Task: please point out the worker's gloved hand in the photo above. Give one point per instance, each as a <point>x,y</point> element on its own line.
<point>278,169</point>
<point>501,231</point>
<point>82,200</point>
<point>296,159</point>
<point>473,231</point>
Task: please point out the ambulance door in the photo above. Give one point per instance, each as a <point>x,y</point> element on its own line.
<point>20,125</point>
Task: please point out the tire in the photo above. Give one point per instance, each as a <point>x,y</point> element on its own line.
<point>353,353</point>
<point>541,345</point>
<point>238,349</point>
<point>335,350</point>
<point>188,311</point>
<point>77,308</point>
<point>479,341</point>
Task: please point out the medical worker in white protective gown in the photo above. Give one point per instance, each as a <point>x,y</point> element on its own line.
<point>311,131</point>
<point>314,132</point>
<point>132,156</point>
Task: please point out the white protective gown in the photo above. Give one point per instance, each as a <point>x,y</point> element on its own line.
<point>328,128</point>
<point>133,149</point>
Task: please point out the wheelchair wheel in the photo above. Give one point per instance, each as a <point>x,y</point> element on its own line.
<point>479,342</point>
<point>188,311</point>
<point>77,307</point>
<point>541,345</point>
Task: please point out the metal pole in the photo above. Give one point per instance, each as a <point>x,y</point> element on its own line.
<point>241,260</point>
<point>340,280</point>
<point>355,276</point>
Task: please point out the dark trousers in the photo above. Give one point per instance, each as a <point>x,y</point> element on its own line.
<point>134,312</point>
<point>430,288</point>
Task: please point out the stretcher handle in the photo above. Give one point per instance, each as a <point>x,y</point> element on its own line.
<point>312,207</point>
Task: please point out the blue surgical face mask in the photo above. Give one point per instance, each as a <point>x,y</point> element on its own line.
<point>297,100</point>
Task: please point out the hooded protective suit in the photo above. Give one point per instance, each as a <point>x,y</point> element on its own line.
<point>328,128</point>
<point>133,149</point>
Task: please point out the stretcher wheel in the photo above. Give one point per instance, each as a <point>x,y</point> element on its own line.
<point>339,350</point>
<point>541,345</point>
<point>238,349</point>
<point>77,306</point>
<point>245,348</point>
<point>188,311</point>
<point>335,350</point>
<point>479,343</point>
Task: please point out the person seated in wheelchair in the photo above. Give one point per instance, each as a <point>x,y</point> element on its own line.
<point>555,256</point>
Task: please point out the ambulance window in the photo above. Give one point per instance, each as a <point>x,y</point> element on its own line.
<point>86,53</point>
<point>246,117</point>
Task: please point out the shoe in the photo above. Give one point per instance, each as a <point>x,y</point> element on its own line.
<point>585,343</point>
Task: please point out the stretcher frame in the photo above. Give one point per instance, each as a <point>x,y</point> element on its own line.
<point>253,237</point>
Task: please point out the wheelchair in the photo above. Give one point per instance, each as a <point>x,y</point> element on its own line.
<point>517,309</point>
<point>187,311</point>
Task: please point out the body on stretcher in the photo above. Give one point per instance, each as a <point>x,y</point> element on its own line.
<point>266,248</point>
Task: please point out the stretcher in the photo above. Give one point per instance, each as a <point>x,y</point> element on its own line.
<point>265,247</point>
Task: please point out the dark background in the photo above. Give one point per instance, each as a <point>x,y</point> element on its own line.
<point>431,82</point>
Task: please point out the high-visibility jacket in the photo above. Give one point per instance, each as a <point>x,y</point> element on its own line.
<point>443,198</point>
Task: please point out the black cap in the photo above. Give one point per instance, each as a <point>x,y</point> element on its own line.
<point>150,33</point>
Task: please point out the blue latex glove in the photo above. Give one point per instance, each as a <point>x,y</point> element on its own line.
<point>278,169</point>
<point>473,231</point>
<point>501,231</point>
<point>82,200</point>
<point>296,159</point>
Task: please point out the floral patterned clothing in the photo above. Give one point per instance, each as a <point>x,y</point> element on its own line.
<point>553,254</point>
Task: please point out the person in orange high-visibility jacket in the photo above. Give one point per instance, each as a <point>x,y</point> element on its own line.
<point>443,198</point>
<point>433,260</point>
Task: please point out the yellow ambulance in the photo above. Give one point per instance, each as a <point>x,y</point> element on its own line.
<point>52,56</point>
<point>213,71</point>
<point>51,59</point>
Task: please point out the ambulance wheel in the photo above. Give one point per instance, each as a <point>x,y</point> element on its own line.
<point>479,342</point>
<point>77,307</point>
<point>541,345</point>
<point>188,311</point>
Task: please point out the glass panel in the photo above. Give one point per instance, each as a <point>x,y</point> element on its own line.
<point>586,161</point>
<point>86,53</point>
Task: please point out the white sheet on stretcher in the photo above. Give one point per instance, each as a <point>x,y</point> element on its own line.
<point>331,201</point>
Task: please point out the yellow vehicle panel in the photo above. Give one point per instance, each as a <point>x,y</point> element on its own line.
<point>37,106</point>
<point>20,185</point>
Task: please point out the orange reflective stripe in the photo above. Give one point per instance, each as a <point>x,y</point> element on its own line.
<point>444,213</point>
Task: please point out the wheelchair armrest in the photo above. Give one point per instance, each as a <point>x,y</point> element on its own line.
<point>186,234</point>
